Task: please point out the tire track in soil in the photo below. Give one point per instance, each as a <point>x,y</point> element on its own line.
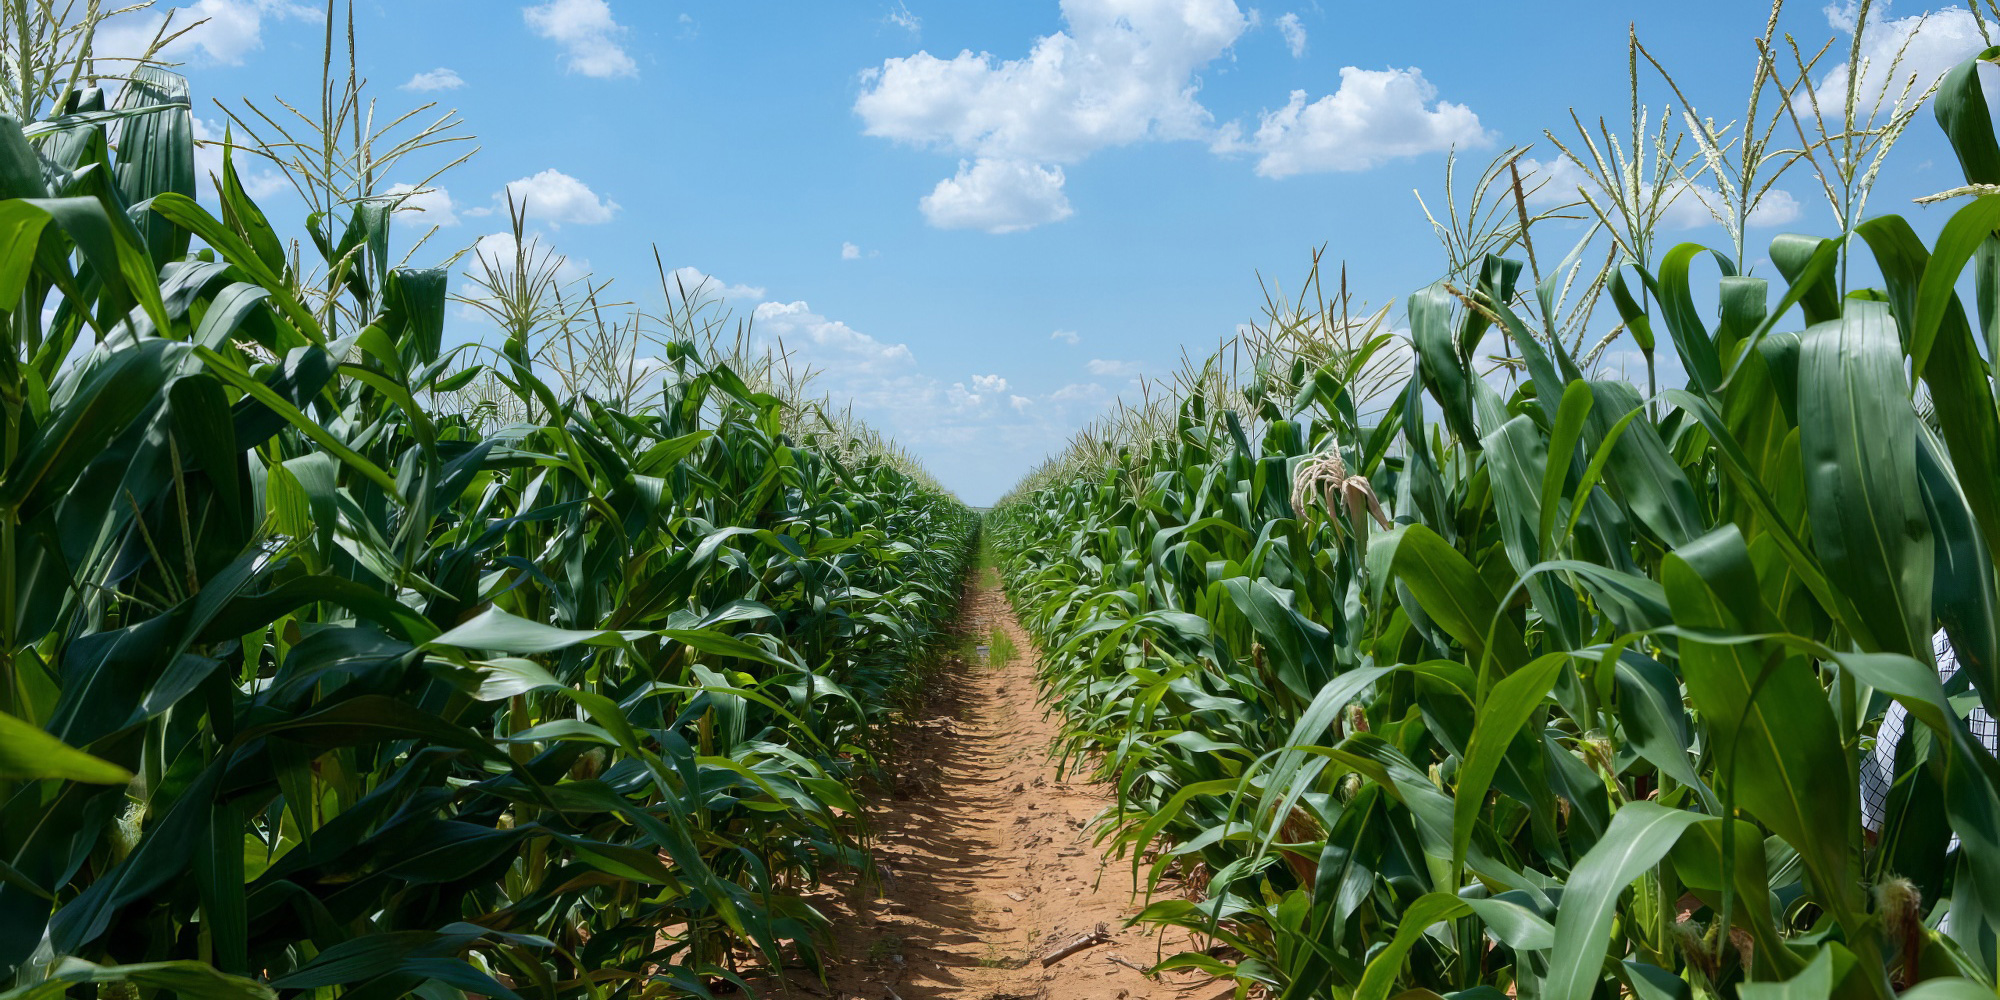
<point>985,858</point>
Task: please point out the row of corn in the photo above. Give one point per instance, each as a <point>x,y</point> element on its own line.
<point>1535,685</point>
<point>314,682</point>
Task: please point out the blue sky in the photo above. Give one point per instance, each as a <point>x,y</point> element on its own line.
<point>983,220</point>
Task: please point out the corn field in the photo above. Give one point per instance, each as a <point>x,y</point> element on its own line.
<point>1544,686</point>
<point>340,660</point>
<point>317,684</point>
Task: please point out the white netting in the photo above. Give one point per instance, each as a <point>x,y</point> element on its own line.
<point>1878,767</point>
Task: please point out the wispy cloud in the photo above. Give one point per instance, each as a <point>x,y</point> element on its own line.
<point>441,78</point>
<point>1116,369</point>
<point>589,36</point>
<point>1295,35</point>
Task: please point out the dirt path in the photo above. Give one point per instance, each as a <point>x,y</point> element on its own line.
<point>987,862</point>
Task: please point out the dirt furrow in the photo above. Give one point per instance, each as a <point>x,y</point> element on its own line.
<point>987,865</point>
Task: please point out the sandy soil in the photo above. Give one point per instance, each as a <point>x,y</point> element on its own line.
<point>987,865</point>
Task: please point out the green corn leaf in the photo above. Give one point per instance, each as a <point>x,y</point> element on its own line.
<point>1641,833</point>
<point>1501,715</point>
<point>30,754</point>
<point>1858,439</point>
<point>190,980</point>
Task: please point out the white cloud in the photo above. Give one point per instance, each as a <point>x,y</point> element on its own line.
<point>702,286</point>
<point>258,182</point>
<point>852,356</point>
<point>1295,35</point>
<point>431,206</point>
<point>555,198</point>
<point>588,34</point>
<point>976,434</point>
<point>1069,337</point>
<point>901,17</point>
<point>1778,208</point>
<point>1081,392</point>
<point>1688,204</point>
<point>1556,182</point>
<point>998,196</point>
<point>500,250</point>
<point>232,29</point>
<point>1375,116</point>
<point>849,251</point>
<point>1103,366</point>
<point>1929,45</point>
<point>1123,72</point>
<point>958,397</point>
<point>441,78</point>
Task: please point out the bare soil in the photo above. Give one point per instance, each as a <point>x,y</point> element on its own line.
<point>986,860</point>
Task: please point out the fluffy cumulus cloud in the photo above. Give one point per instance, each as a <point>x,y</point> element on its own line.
<point>556,198</point>
<point>1373,117</point>
<point>998,196</point>
<point>224,31</point>
<point>441,78</point>
<point>1895,51</point>
<point>1689,205</point>
<point>1122,72</point>
<point>989,383</point>
<point>500,251</point>
<point>1778,208</point>
<point>1295,35</point>
<point>591,39</point>
<point>429,206</point>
